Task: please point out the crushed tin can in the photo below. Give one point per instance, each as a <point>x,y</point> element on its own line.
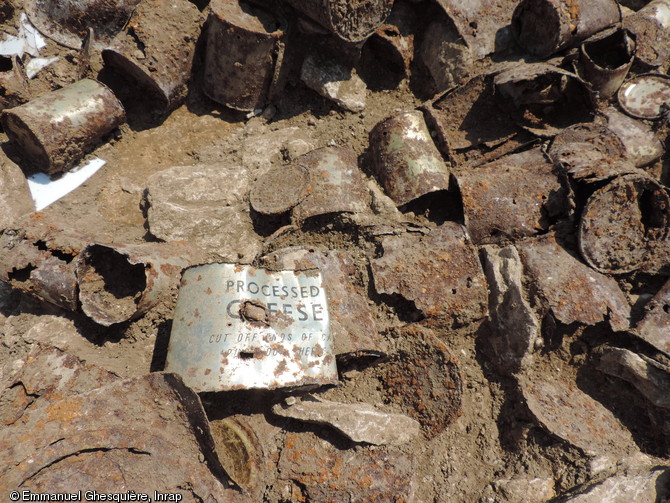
<point>622,241</point>
<point>67,21</point>
<point>405,159</point>
<point>544,27</point>
<point>14,89</point>
<point>155,50</point>
<point>337,184</point>
<point>651,27</point>
<point>243,57</point>
<point>605,60</point>
<point>524,199</point>
<point>646,96</point>
<point>118,283</point>
<point>237,327</point>
<point>350,20</point>
<point>57,129</point>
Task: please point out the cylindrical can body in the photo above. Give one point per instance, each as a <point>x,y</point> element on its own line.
<point>156,49</point>
<point>544,27</point>
<point>237,327</point>
<point>605,61</point>
<point>57,129</point>
<point>405,158</point>
<point>351,20</point>
<point>243,52</point>
<point>651,27</point>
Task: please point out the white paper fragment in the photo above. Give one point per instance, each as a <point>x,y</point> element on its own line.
<point>28,41</point>
<point>36,65</point>
<point>45,191</point>
<point>11,46</point>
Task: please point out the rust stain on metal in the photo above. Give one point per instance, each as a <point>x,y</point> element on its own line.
<point>651,27</point>
<point>606,59</point>
<point>645,96</point>
<point>280,189</point>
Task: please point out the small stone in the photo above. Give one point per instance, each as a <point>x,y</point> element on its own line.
<point>647,486</point>
<point>446,56</point>
<point>335,82</point>
<point>519,490</point>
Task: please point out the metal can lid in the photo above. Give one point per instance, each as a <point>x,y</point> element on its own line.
<point>645,96</point>
<point>280,189</point>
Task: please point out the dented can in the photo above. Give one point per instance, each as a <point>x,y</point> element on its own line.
<point>544,27</point>
<point>155,50</point>
<point>245,47</point>
<point>405,158</point>
<point>651,27</point>
<point>350,20</point>
<point>57,129</point>
<point>237,327</point>
<point>13,82</point>
<point>605,60</point>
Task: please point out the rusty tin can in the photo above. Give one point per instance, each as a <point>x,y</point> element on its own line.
<point>651,27</point>
<point>405,158</point>
<point>351,20</point>
<point>645,96</point>
<point>67,21</point>
<point>605,60</point>
<point>57,129</point>
<point>638,139</point>
<point>245,47</point>
<point>237,327</point>
<point>544,27</point>
<point>155,50</point>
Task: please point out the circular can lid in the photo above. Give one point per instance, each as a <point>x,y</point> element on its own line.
<point>645,96</point>
<point>280,189</point>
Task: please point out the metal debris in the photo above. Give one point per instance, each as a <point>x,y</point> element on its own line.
<point>585,162</point>
<point>156,48</point>
<point>360,422</point>
<point>544,27</point>
<point>516,327</point>
<point>14,89</point>
<point>516,196</point>
<point>27,41</point>
<point>84,112</point>
<point>279,189</point>
<point>439,272</point>
<point>337,183</point>
<point>124,434</point>
<point>651,27</point>
<point>605,60</point>
<point>334,81</point>
<point>245,47</point>
<point>214,348</point>
<point>641,145</point>
<point>425,380</point>
<point>352,323</point>
<point>326,473</point>
<point>574,291</point>
<point>445,55</point>
<point>645,96</point>
<point>350,20</point>
<point>66,21</point>
<point>405,159</point>
<point>121,282</point>
<point>393,43</point>
<point>573,416</point>
<point>624,240</point>
<point>655,326</point>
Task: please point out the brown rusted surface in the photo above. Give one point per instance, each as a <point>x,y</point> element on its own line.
<point>469,116</point>
<point>57,129</point>
<point>483,24</point>
<point>574,292</point>
<point>622,241</point>
<point>605,60</point>
<point>584,162</point>
<point>393,43</point>
<point>640,143</point>
<point>280,189</point>
<point>37,257</point>
<point>155,50</point>
<point>645,96</point>
<point>121,282</point>
<point>651,28</point>
<point>66,21</point>
<point>428,384</point>
<point>542,98</point>
<point>405,159</point>
<point>439,272</point>
<point>122,435</point>
<point>243,56</point>
<point>544,27</point>
<point>14,88</point>
<point>573,416</point>
<point>512,197</point>
<point>337,183</point>
<point>655,326</point>
<point>328,474</point>
<point>350,20</point>
<point>351,321</point>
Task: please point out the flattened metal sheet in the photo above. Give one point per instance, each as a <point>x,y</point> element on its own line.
<point>236,327</point>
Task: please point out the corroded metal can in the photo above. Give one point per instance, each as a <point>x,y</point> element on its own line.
<point>237,327</point>
<point>651,27</point>
<point>57,129</point>
<point>243,56</point>
<point>605,60</point>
